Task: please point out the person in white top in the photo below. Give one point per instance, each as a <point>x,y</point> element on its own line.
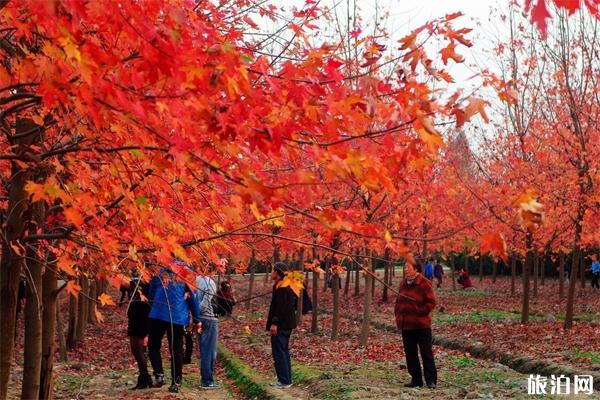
<point>207,340</point>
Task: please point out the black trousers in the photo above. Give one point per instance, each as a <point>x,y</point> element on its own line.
<point>595,279</point>
<point>189,346</point>
<point>416,340</point>
<point>157,330</point>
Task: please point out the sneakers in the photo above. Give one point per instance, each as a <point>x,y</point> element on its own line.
<point>431,385</point>
<point>413,385</point>
<point>280,385</point>
<point>174,388</point>
<point>159,380</point>
<point>210,386</point>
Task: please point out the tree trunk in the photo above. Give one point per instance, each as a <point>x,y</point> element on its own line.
<point>526,273</point>
<point>327,272</point>
<point>12,262</point>
<point>543,268</point>
<point>513,274</point>
<point>366,323</point>
<point>252,268</point>
<point>34,306</point>
<point>81,311</point>
<point>374,270</point>
<point>49,295</point>
<point>536,272</point>
<point>480,268</point>
<point>386,275</point>
<point>572,283</point>
<point>60,329</point>
<point>33,330</point>
<point>582,267</point>
<point>300,298</point>
<point>452,271</point>
<point>336,306</point>
<point>315,294</point>
<point>358,268</point>
<point>348,275</point>
<point>72,329</point>
<point>494,270</point>
<point>91,301</point>
<point>561,275</point>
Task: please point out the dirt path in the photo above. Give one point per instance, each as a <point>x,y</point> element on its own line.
<point>84,382</point>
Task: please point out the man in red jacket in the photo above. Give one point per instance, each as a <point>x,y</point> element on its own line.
<point>413,310</point>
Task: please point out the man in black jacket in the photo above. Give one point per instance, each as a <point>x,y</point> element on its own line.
<point>280,323</point>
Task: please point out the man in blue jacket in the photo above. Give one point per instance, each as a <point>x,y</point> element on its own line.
<point>172,301</point>
<point>429,269</point>
<point>595,272</point>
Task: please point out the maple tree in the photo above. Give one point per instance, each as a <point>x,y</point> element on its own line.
<point>159,128</point>
<point>137,132</point>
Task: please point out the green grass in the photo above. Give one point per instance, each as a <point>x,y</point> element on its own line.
<point>588,355</point>
<point>583,317</point>
<point>463,362</point>
<point>473,293</point>
<point>71,383</point>
<point>245,378</point>
<point>476,316</point>
<point>327,388</point>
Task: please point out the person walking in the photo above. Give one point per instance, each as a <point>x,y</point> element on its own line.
<point>137,328</point>
<point>172,301</point>
<point>207,340</point>
<point>429,269</point>
<point>595,273</point>
<point>281,321</point>
<point>438,273</point>
<point>414,305</point>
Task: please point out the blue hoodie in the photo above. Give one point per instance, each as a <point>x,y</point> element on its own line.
<point>170,302</point>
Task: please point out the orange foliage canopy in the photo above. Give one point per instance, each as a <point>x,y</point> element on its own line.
<point>159,129</point>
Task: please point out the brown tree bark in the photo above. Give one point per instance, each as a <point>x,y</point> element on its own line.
<point>543,265</point>
<point>526,272</point>
<point>11,262</point>
<point>453,272</point>
<point>315,295</point>
<point>50,293</point>
<point>366,324</point>
<point>336,306</point>
<point>72,328</point>
<point>252,268</point>
<point>513,273</point>
<point>32,345</point>
<point>60,330</point>
<point>34,307</point>
<point>91,302</point>
<point>374,271</point>
<point>386,276</point>
<point>561,275</point>
<point>82,307</point>
<point>536,272</point>
<point>348,275</point>
<point>568,324</point>
<point>357,280</point>
<point>300,299</point>
<point>582,267</point>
